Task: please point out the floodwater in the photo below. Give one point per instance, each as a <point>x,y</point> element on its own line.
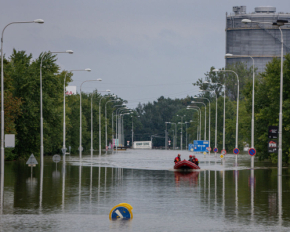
<point>78,196</point>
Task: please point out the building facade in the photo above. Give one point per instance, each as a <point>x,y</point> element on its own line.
<point>258,40</point>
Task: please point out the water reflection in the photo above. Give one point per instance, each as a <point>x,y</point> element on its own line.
<point>41,187</point>
<point>280,199</point>
<point>63,181</point>
<point>221,194</point>
<point>190,177</point>
<point>252,185</point>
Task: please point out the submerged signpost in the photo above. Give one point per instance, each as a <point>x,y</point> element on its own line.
<point>31,162</point>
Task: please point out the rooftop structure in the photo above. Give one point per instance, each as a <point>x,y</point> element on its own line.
<point>261,41</point>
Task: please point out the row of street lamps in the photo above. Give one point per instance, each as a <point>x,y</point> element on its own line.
<point>278,23</point>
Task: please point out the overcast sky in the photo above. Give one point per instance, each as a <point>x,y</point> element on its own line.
<point>142,49</point>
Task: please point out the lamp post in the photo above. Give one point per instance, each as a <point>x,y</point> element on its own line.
<point>81,147</point>
<point>129,111</point>
<point>100,133</point>
<point>238,89</point>
<point>40,21</point>
<point>92,149</point>
<point>208,119</point>
<point>206,82</point>
<point>133,131</point>
<point>106,127</point>
<point>253,104</point>
<point>117,137</point>
<point>204,116</point>
<point>181,130</point>
<point>278,23</point>
<point>174,138</point>
<point>186,142</point>
<point>166,136</point>
<point>41,109</point>
<point>123,105</point>
<point>199,113</point>
<point>122,120</point>
<point>88,70</point>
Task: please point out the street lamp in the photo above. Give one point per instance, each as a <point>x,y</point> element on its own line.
<point>208,119</point>
<point>106,132</point>
<point>117,131</point>
<point>166,136</point>
<point>199,115</point>
<point>278,23</point>
<point>186,143</point>
<point>122,113</point>
<point>92,149</point>
<point>41,109</point>
<point>133,131</point>
<point>175,137</point>
<point>100,133</point>
<point>204,116</point>
<point>81,147</point>
<point>238,89</point>
<point>122,125</point>
<point>40,21</point>
<point>181,130</point>
<point>253,100</point>
<point>63,142</point>
<point>206,82</point>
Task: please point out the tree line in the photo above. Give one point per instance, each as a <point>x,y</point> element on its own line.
<point>153,115</point>
<point>22,107</point>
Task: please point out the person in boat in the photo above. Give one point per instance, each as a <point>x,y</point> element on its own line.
<point>177,159</point>
<point>194,160</point>
<point>190,158</point>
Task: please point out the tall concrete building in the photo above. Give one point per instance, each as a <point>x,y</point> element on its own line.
<point>261,41</point>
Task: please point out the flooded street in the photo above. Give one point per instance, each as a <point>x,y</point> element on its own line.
<point>79,195</point>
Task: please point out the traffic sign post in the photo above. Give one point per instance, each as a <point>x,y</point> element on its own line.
<point>236,151</point>
<point>252,151</point>
<point>56,158</point>
<point>223,152</point>
<point>215,149</point>
<point>31,162</point>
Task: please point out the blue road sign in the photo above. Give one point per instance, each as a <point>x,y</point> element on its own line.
<point>215,149</point>
<point>200,145</point>
<point>121,211</point>
<point>252,151</point>
<point>236,151</point>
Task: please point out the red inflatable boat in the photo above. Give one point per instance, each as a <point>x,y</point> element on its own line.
<point>185,164</point>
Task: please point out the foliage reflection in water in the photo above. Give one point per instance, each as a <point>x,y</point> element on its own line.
<point>74,196</point>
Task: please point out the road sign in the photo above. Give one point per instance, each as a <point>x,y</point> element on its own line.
<point>169,142</point>
<point>121,211</point>
<point>273,132</point>
<point>32,161</point>
<point>222,156</point>
<point>252,151</point>
<point>63,150</point>
<point>208,148</point>
<point>236,151</point>
<point>56,158</point>
<point>200,145</point>
<point>204,153</point>
<point>273,146</point>
<point>81,148</point>
<point>223,152</point>
<point>10,140</point>
<point>128,142</point>
<point>215,149</point>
